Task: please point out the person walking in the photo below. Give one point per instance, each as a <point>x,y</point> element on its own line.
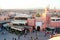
<point>13,38</point>
<point>45,33</point>
<point>4,38</point>
<point>31,38</point>
<point>18,36</point>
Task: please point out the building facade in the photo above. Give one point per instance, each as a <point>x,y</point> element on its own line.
<point>49,18</point>
<point>38,18</point>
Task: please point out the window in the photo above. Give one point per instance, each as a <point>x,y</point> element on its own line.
<point>23,18</point>
<point>15,25</point>
<point>52,19</point>
<point>19,18</point>
<point>57,19</point>
<point>18,24</point>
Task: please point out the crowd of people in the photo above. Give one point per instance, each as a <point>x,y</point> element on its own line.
<point>34,30</point>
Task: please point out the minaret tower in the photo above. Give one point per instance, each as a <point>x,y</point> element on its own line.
<point>47,9</point>
<point>47,16</point>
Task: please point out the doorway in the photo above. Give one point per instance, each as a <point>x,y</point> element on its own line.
<point>38,28</point>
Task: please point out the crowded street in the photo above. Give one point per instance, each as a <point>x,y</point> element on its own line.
<point>29,36</point>
<point>29,19</point>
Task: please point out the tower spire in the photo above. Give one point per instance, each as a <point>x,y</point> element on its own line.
<point>47,8</point>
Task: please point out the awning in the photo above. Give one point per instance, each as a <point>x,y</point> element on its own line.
<point>17,28</point>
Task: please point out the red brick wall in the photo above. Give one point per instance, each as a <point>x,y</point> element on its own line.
<point>31,22</point>
<point>55,24</point>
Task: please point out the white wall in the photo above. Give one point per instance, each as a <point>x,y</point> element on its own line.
<point>38,24</point>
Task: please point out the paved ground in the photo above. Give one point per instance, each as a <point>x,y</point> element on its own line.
<point>9,36</point>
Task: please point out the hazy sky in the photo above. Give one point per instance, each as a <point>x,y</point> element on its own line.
<point>28,4</point>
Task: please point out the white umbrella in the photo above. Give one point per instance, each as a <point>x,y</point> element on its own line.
<point>55,38</point>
